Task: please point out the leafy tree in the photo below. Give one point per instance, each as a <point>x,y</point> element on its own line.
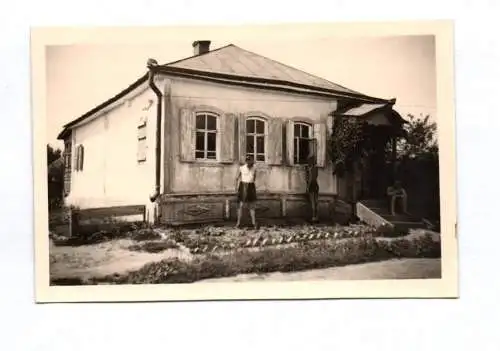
<point>52,154</point>
<point>420,139</point>
<point>418,165</point>
<point>55,176</point>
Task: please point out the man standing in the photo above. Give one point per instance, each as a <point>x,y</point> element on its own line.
<point>247,194</point>
<point>312,186</point>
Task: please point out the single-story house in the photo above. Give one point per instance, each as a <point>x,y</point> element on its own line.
<point>173,140</point>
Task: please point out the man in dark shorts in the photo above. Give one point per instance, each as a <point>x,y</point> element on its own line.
<point>312,186</point>
<point>247,194</point>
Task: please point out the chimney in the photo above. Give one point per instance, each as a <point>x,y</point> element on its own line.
<point>201,47</point>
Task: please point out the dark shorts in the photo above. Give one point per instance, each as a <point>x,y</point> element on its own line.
<point>247,192</point>
<point>313,188</point>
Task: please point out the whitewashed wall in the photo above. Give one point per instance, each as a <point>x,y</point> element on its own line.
<point>112,175</point>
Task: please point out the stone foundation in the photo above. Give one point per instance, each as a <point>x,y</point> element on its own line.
<point>177,209</point>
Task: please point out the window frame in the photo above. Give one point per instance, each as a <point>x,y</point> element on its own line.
<point>296,141</point>
<point>206,131</point>
<point>259,118</point>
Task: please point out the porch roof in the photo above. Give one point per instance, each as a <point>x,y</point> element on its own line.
<point>362,110</point>
<point>367,109</point>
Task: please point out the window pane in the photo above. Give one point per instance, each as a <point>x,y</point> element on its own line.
<point>305,131</point>
<point>303,150</point>
<point>295,150</point>
<point>200,141</point>
<point>260,144</point>
<point>211,137</point>
<point>296,130</point>
<point>211,155</point>
<point>260,157</point>
<point>211,123</point>
<point>200,121</point>
<point>200,154</point>
<point>250,126</point>
<point>250,144</point>
<point>259,127</point>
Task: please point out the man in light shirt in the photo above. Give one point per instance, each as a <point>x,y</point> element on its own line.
<point>247,194</point>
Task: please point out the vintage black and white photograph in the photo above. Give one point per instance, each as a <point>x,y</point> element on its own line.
<point>206,157</point>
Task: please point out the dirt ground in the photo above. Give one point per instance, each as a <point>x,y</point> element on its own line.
<point>103,259</point>
<point>113,257</point>
<point>414,268</point>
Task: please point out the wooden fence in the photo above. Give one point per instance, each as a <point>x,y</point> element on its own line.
<point>80,218</point>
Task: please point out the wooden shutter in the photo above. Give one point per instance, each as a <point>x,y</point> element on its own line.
<point>141,150</point>
<point>187,135</point>
<point>320,136</point>
<point>82,151</point>
<point>242,138</point>
<point>141,132</point>
<point>225,138</point>
<point>77,158</point>
<point>289,142</point>
<point>274,143</point>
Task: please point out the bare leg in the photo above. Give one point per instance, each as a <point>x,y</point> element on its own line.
<point>314,203</point>
<point>404,201</point>
<point>240,212</point>
<point>393,205</point>
<point>310,198</point>
<point>252,215</point>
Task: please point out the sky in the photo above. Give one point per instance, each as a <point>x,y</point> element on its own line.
<point>79,77</point>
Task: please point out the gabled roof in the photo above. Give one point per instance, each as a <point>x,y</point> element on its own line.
<point>235,66</point>
<point>236,61</point>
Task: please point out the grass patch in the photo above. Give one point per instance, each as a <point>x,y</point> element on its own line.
<point>95,233</point>
<point>303,256</point>
<point>154,246</point>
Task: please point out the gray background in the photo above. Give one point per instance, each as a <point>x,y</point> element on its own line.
<point>315,325</point>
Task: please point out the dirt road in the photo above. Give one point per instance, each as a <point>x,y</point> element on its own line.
<point>415,268</point>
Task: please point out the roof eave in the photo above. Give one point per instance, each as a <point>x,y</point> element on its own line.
<point>256,82</point>
<point>67,127</point>
<point>264,83</point>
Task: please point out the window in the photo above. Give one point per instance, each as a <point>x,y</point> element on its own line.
<point>141,141</point>
<point>302,137</point>
<point>255,138</point>
<point>206,136</point>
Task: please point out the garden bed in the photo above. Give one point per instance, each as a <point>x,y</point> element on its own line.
<point>214,239</point>
<point>301,255</point>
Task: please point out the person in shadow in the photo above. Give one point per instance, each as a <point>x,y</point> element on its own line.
<point>312,186</point>
<point>397,192</point>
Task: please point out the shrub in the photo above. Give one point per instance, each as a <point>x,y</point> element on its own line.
<point>154,246</point>
<point>108,229</point>
<point>389,231</point>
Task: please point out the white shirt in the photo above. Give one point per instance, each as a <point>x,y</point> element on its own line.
<point>247,175</point>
